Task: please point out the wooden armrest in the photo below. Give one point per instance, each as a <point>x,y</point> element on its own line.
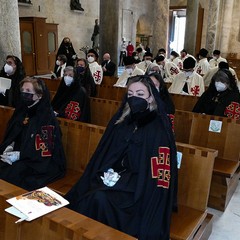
<point>63,185</point>
<point>225,167</point>
<point>186,222</point>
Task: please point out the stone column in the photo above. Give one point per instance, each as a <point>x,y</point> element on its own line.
<point>160,25</point>
<point>9,29</point>
<point>212,25</point>
<point>191,26</point>
<point>108,37</point>
<point>226,25</point>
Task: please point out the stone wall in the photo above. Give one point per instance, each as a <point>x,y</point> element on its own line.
<point>77,25</point>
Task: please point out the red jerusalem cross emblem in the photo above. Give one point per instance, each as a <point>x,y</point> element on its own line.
<point>195,90</point>
<point>97,75</point>
<point>174,71</point>
<point>161,167</point>
<point>233,110</point>
<point>72,111</point>
<point>44,141</point>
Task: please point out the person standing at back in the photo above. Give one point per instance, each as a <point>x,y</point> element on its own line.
<point>66,48</point>
<point>108,65</point>
<point>61,63</point>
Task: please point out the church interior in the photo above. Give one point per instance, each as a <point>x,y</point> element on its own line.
<point>33,30</point>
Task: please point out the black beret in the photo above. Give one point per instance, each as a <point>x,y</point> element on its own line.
<point>216,52</point>
<point>148,54</point>
<point>223,65</point>
<point>160,58</point>
<point>128,60</point>
<point>175,54</point>
<point>93,51</point>
<point>189,63</point>
<point>203,52</point>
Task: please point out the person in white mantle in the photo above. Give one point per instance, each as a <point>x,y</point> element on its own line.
<point>202,66</point>
<point>168,69</point>
<point>188,82</point>
<point>95,68</point>
<point>216,59</point>
<point>130,70</point>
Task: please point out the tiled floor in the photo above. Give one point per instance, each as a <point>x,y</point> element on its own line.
<point>226,225</point>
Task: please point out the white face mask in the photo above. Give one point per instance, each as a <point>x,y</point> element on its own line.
<point>136,57</point>
<point>171,57</point>
<point>220,86</point>
<point>90,59</point>
<point>8,69</point>
<point>214,57</point>
<point>188,74</point>
<point>68,80</point>
<point>58,62</point>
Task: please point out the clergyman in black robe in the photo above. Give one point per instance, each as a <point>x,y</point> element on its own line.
<point>130,182</point>
<point>34,135</point>
<point>71,100</point>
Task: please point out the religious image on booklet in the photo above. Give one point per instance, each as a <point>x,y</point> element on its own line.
<point>34,204</point>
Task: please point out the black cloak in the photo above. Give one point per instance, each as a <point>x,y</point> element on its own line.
<point>42,159</point>
<point>141,202</point>
<point>67,50</point>
<point>216,103</point>
<point>12,95</point>
<point>72,102</point>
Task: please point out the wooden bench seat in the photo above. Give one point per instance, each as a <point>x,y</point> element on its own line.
<point>225,167</point>
<point>60,224</point>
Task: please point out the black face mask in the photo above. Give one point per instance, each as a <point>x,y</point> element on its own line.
<point>80,69</point>
<point>137,104</point>
<point>27,98</point>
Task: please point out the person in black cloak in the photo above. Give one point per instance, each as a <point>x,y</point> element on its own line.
<point>71,100</point>
<point>32,154</point>
<point>164,94</point>
<point>66,48</point>
<point>222,97</point>
<point>85,77</point>
<point>14,70</point>
<point>130,182</point>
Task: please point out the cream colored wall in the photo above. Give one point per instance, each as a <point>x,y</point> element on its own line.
<point>78,26</point>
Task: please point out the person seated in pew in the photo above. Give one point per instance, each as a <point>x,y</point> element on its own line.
<point>71,100</point>
<point>32,154</point>
<point>131,70</point>
<point>222,65</point>
<point>61,63</point>
<point>222,97</point>
<point>85,77</point>
<point>95,68</point>
<point>130,182</point>
<point>14,70</point>
<point>147,60</point>
<point>108,66</point>
<point>188,82</point>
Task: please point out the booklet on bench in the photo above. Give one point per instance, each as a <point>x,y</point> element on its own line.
<point>34,204</point>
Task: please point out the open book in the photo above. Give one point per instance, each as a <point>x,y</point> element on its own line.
<point>34,204</point>
<point>5,83</point>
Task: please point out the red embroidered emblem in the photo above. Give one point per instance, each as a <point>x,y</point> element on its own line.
<point>199,70</point>
<point>233,110</point>
<point>72,111</point>
<point>195,90</point>
<point>171,117</point>
<point>44,141</point>
<point>97,76</point>
<point>174,71</point>
<point>161,167</point>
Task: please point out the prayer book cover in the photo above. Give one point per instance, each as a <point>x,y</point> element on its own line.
<point>5,83</point>
<point>34,204</point>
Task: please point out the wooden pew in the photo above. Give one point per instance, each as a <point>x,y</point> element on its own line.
<point>109,81</point>
<point>60,224</point>
<point>194,180</point>
<point>193,128</point>
<point>110,92</point>
<point>184,102</point>
<point>102,110</point>
<point>52,84</point>
<point>5,113</point>
<point>80,141</point>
